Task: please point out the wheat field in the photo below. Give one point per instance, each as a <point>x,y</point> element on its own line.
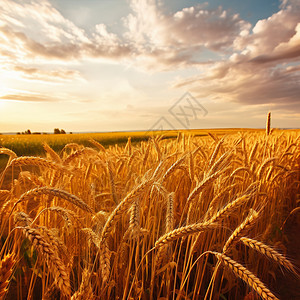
<point>168,218</point>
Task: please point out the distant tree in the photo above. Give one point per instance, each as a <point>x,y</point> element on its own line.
<point>28,131</point>
<point>59,131</point>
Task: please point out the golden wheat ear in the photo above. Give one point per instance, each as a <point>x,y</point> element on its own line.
<point>270,253</point>
<point>6,269</point>
<point>85,290</point>
<point>57,268</point>
<point>268,124</point>
<point>241,230</point>
<point>246,276</point>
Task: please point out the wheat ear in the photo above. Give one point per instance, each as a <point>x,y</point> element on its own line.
<point>134,229</point>
<point>4,194</point>
<point>268,124</point>
<point>77,153</point>
<point>56,193</point>
<point>162,251</point>
<point>246,276</point>
<point>112,182</point>
<point>60,275</point>
<point>54,156</point>
<point>114,217</point>
<point>97,145</point>
<point>264,165</point>
<point>241,230</point>
<point>215,153</point>
<point>9,152</point>
<point>146,154</point>
<point>170,213</point>
<point>183,231</point>
<point>221,163</point>
<point>33,161</point>
<point>122,207</point>
<point>221,214</point>
<point>92,236</point>
<point>269,252</point>
<point>253,152</point>
<point>202,185</point>
<point>6,269</point>
<point>172,168</point>
<point>104,261</point>
<point>155,142</point>
<point>85,290</point>
<point>128,147</point>
<point>216,200</point>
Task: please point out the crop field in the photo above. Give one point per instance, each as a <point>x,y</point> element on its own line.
<point>209,214</point>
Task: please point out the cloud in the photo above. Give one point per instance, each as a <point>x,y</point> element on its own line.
<point>39,74</point>
<point>29,97</point>
<point>251,64</point>
<point>35,30</point>
<point>172,41</point>
<point>263,67</point>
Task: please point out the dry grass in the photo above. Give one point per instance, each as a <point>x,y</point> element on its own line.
<point>134,221</point>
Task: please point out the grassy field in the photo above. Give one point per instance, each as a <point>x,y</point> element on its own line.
<point>188,215</point>
<point>32,144</point>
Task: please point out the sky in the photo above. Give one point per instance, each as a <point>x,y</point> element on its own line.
<point>123,65</point>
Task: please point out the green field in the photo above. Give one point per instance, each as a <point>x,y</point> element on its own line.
<point>33,144</point>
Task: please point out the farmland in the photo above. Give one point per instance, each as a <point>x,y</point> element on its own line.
<point>200,214</point>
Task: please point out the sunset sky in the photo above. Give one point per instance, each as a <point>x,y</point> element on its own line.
<point>110,65</point>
